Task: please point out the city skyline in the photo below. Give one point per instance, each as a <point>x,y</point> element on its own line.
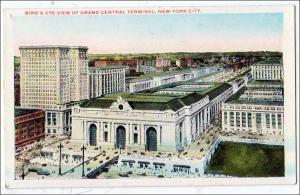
<point>154,33</point>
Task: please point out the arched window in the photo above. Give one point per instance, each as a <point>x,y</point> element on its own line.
<point>93,135</point>
<point>151,137</point>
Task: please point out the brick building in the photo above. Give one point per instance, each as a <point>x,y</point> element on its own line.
<point>184,62</point>
<point>17,89</point>
<point>29,127</point>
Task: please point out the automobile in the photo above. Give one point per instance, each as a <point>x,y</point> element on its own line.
<point>43,172</point>
<point>123,175</point>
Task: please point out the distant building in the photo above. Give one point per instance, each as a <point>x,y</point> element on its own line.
<point>162,62</point>
<point>29,127</point>
<point>184,62</point>
<point>256,108</point>
<point>177,63</point>
<point>105,80</point>
<point>138,84</point>
<point>267,70</point>
<point>130,63</point>
<point>52,77</point>
<point>147,68</point>
<point>147,81</point>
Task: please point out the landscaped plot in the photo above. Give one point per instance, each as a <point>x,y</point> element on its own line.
<point>248,160</point>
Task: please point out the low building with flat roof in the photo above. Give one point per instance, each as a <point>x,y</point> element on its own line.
<point>267,70</point>
<point>255,110</point>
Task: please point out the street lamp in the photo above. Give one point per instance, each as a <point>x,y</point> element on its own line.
<point>59,169</point>
<point>82,149</point>
<point>120,149</point>
<point>23,173</point>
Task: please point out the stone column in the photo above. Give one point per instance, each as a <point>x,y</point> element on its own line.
<point>142,134</point>
<point>158,130</point>
<point>247,120</point>
<point>131,134</point>
<point>101,132</point>
<point>128,134</point>
<point>92,85</point>
<point>110,82</point>
<point>208,116</point>
<point>98,85</point>
<point>276,120</point>
<point>201,121</point>
<point>188,129</point>
<point>117,83</point>
<point>110,132</point>
<point>253,116</point>
<point>113,134</point>
<point>113,84</point>
<point>198,124</point>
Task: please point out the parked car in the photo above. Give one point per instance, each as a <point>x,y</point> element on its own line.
<point>43,172</point>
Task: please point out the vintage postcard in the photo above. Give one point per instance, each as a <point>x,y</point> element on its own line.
<point>149,95</point>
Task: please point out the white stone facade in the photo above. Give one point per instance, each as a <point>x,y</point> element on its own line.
<point>174,129</point>
<point>267,71</point>
<point>105,80</point>
<point>135,85</point>
<point>261,119</point>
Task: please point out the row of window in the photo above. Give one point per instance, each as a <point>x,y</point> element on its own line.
<point>235,119</point>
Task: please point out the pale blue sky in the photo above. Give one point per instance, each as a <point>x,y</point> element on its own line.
<point>154,33</point>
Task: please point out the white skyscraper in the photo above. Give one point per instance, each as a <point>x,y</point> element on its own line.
<point>51,78</point>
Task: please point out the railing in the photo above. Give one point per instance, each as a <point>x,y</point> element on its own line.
<point>99,169</point>
<point>81,164</point>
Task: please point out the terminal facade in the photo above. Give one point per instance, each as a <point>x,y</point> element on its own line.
<point>148,121</point>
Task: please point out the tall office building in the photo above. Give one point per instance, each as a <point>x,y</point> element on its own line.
<point>51,78</point>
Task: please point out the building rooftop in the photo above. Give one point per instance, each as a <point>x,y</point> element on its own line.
<point>266,82</point>
<point>235,99</point>
<point>269,62</point>
<point>107,67</point>
<point>177,86</point>
<point>208,75</point>
<point>145,101</point>
<point>162,73</point>
<point>52,46</point>
<point>183,89</point>
<point>136,79</point>
<point>23,111</point>
<point>216,90</point>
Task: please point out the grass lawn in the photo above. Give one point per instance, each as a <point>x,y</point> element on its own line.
<point>248,160</point>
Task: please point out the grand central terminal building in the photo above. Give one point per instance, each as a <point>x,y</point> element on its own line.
<point>151,120</point>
